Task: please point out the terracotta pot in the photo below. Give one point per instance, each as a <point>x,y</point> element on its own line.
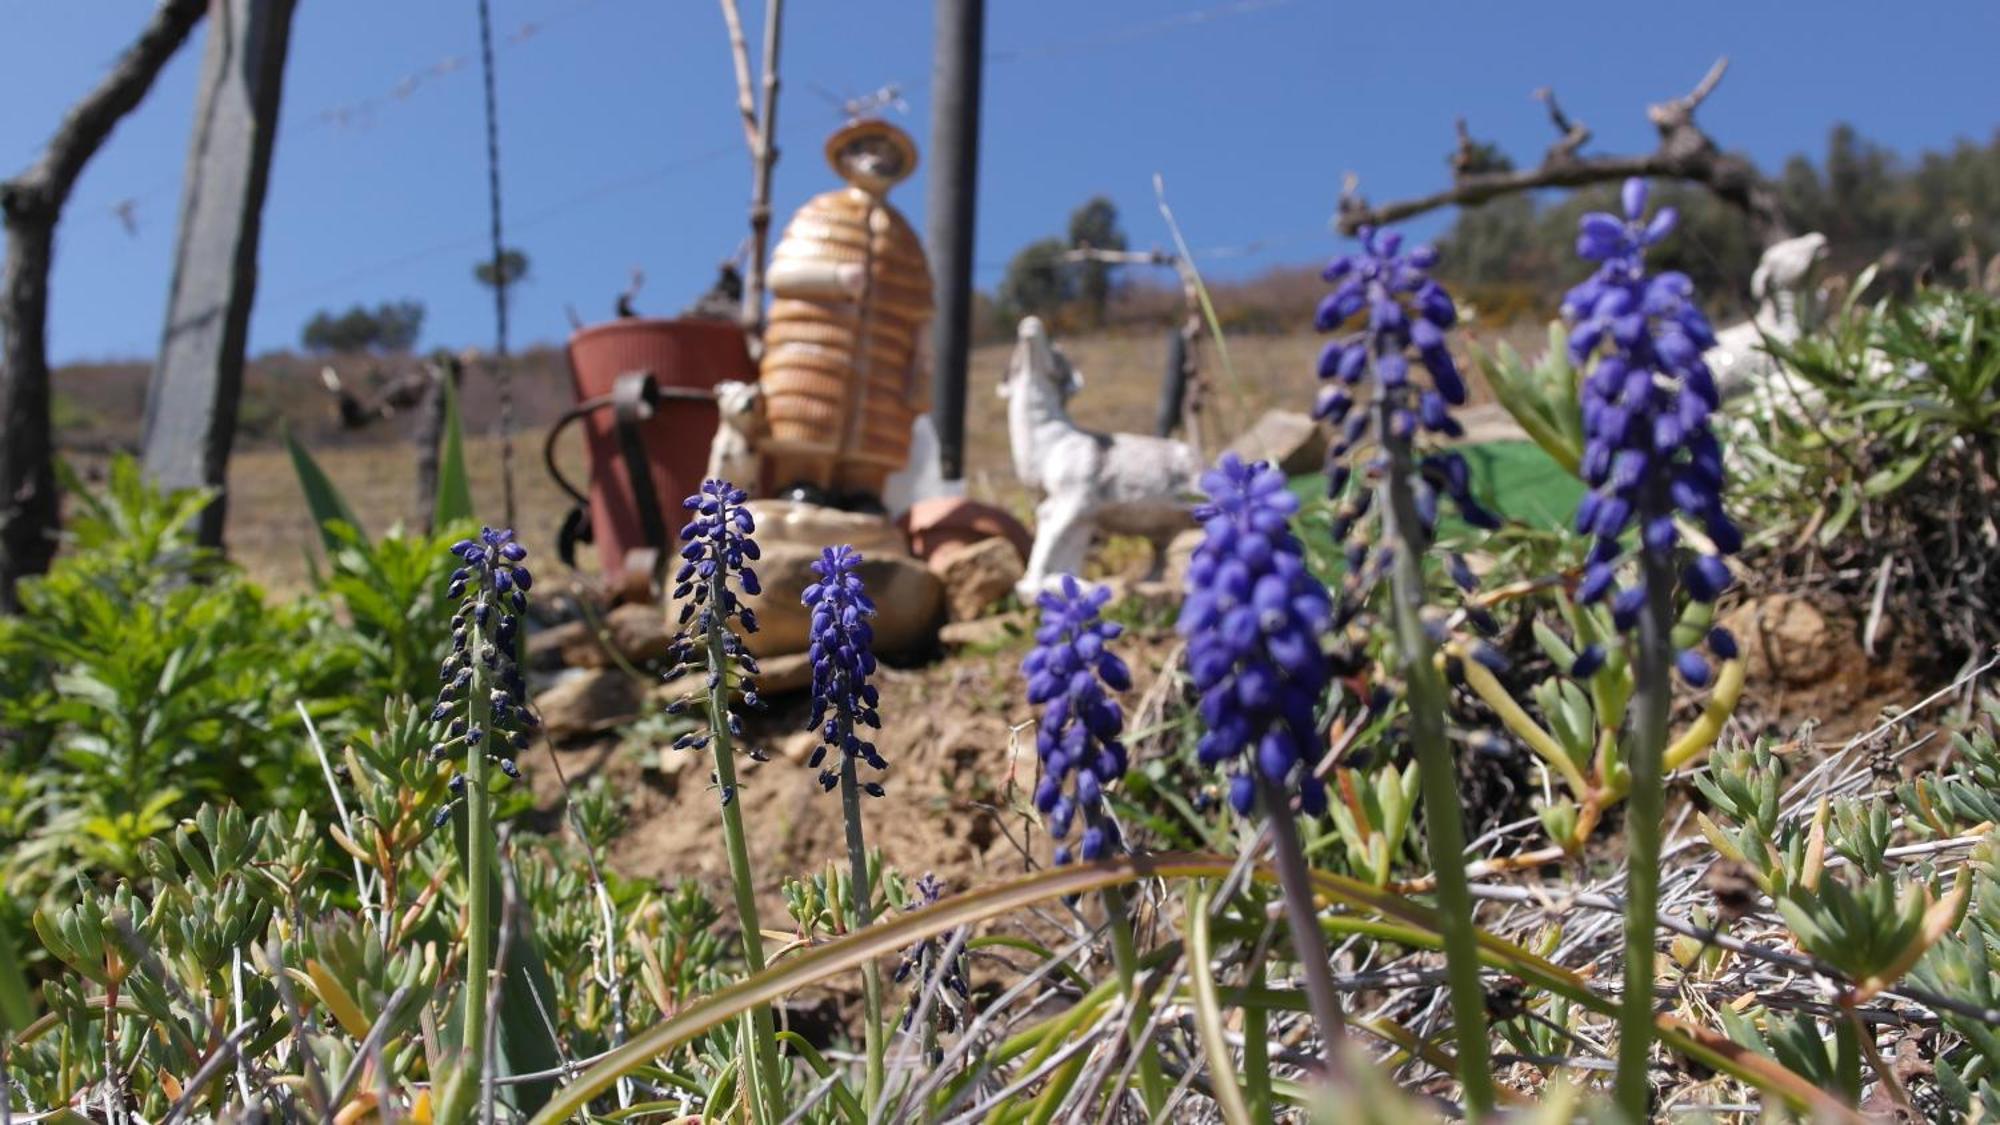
<point>695,354</point>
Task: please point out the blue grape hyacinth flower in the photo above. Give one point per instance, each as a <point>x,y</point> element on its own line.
<point>842,655</point>
<point>1650,457</point>
<point>1408,313</point>
<point>1253,619</point>
<point>716,552</point>
<point>1071,674</point>
<point>491,588</point>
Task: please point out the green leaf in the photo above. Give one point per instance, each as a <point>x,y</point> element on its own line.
<point>322,498</point>
<point>454,488</point>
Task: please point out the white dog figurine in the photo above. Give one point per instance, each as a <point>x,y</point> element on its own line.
<point>1125,484</point>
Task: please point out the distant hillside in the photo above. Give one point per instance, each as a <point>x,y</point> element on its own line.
<point>101,407</point>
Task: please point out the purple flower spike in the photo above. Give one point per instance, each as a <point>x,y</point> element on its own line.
<point>1253,619</point>
<point>491,589</point>
<point>1407,312</point>
<point>1072,674</point>
<point>842,655</point>
<point>1649,454</point>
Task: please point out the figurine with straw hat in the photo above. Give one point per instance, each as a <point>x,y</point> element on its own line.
<point>842,374</point>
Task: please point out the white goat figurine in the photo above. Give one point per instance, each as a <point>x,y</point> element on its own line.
<point>732,453</point>
<point>1124,484</point>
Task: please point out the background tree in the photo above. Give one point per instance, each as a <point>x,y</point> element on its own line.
<point>1038,282</point>
<point>1095,225</point>
<point>512,269</point>
<point>393,326</point>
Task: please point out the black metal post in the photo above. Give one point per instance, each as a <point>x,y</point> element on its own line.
<point>955,78</point>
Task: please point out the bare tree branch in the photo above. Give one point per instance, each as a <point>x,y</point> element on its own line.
<point>1685,153</point>
<point>1572,135</point>
<point>30,204</point>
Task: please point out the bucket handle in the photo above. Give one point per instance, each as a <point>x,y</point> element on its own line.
<point>635,397</point>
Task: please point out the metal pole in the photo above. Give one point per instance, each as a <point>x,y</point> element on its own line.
<point>955,75</point>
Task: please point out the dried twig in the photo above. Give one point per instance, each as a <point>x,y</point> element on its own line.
<point>1685,152</point>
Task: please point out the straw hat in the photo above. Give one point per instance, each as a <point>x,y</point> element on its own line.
<point>871,129</point>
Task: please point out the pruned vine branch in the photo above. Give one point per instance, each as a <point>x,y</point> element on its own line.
<point>1684,153</point>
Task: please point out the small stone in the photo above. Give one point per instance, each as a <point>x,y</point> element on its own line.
<point>977,575</point>
<point>941,521</point>
<point>1784,637</point>
<point>798,747</point>
<point>550,649</point>
<point>587,700</point>
<point>784,674</point>
<point>1292,441</point>
<point>640,633</point>
<point>984,632</point>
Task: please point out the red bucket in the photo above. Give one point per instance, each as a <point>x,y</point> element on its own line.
<point>686,354</point>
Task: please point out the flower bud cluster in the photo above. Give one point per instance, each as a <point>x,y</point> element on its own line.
<point>1649,456</point>
<point>716,551</point>
<point>1253,619</point>
<point>1407,311</point>
<point>481,676</point>
<point>843,657</point>
<point>1069,672</point>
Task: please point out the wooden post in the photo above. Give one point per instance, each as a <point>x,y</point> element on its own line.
<point>191,403</point>
<point>955,80</point>
<point>440,369</point>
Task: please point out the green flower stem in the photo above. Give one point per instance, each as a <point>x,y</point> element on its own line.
<point>467,1089</point>
<point>1302,916</point>
<point>1644,819</point>
<point>763,1076</point>
<point>864,913</point>
<point>1125,957</point>
<point>1437,771</point>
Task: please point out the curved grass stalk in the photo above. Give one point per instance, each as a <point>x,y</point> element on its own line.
<point>1208,1012</point>
<point>1411,923</point>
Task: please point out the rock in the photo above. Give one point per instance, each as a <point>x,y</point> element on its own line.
<point>986,632</point>
<point>1783,637</point>
<point>784,674</point>
<point>789,521</point>
<point>798,746</point>
<point>933,524</point>
<point>549,649</point>
<point>585,701</point>
<point>641,633</point>
<point>977,575</point>
<point>909,600</point>
<point>1292,441</point>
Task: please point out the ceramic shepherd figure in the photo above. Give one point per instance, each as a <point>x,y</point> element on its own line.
<point>842,373</point>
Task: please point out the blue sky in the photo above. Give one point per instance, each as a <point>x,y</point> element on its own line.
<point>622,148</point>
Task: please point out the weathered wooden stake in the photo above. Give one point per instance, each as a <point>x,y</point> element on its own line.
<point>191,403</point>
<point>955,80</point>
<point>30,204</point>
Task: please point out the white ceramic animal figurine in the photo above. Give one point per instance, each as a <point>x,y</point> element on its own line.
<point>1124,484</point>
<point>1780,287</point>
<point>732,453</point>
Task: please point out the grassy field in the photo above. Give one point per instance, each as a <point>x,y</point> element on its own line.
<point>271,533</point>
